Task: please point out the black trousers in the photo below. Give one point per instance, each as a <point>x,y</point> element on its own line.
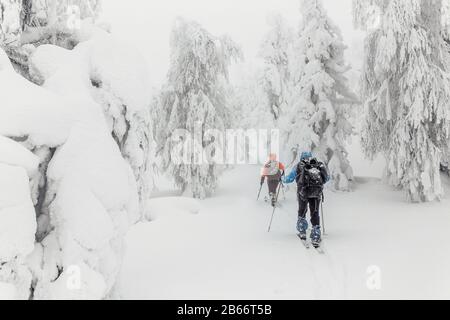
<point>273,182</point>
<point>314,208</point>
<point>273,185</point>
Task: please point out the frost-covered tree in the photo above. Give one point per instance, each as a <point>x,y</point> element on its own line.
<point>275,53</point>
<point>10,22</point>
<point>195,100</point>
<point>251,100</point>
<point>80,149</point>
<point>322,103</point>
<point>57,21</point>
<point>121,86</point>
<point>26,24</point>
<point>44,21</point>
<point>406,91</point>
<point>446,19</point>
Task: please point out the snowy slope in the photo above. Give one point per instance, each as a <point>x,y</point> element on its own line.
<point>224,251</point>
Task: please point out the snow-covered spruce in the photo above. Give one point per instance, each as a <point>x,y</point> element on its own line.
<point>275,51</point>
<point>17,218</point>
<point>251,103</point>
<point>56,21</point>
<point>82,209</point>
<point>406,89</point>
<point>119,83</point>
<point>321,104</point>
<point>26,24</point>
<point>195,99</point>
<point>10,23</point>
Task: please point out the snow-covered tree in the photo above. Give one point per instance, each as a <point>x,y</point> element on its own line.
<point>121,85</point>
<point>80,150</point>
<point>26,24</point>
<point>251,100</point>
<point>10,22</point>
<point>195,100</point>
<point>322,103</point>
<point>275,50</point>
<point>446,19</point>
<point>406,91</point>
<point>54,21</point>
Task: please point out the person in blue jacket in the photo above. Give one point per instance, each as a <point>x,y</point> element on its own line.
<point>310,175</point>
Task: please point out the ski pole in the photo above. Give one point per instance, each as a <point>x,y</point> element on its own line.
<point>284,191</point>
<point>274,209</point>
<point>323,220</point>
<point>259,193</point>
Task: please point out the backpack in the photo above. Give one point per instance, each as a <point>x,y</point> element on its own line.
<point>310,181</point>
<point>272,168</point>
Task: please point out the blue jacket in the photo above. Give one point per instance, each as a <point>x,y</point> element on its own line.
<point>291,177</point>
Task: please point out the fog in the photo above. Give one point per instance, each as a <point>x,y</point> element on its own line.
<point>147,24</point>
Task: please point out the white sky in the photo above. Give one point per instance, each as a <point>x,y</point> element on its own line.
<point>147,24</point>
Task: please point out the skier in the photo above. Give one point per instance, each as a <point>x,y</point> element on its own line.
<point>311,176</point>
<point>273,170</point>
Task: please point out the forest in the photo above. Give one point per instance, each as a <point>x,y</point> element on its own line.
<point>105,181</point>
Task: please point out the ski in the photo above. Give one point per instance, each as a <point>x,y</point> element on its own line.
<point>277,205</point>
<point>305,242</point>
<point>319,249</point>
<point>308,245</point>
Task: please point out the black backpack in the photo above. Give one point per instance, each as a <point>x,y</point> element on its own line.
<point>310,180</point>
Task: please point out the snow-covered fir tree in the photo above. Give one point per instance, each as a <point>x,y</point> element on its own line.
<point>251,101</point>
<point>26,24</point>
<point>54,21</point>
<point>10,22</point>
<point>195,100</point>
<point>84,138</point>
<point>406,90</point>
<point>275,50</point>
<point>322,103</point>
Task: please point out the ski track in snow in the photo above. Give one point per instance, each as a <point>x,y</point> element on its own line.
<point>225,252</point>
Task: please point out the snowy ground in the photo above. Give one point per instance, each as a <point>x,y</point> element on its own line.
<point>220,249</point>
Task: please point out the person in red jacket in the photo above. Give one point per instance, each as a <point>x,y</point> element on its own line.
<point>273,171</point>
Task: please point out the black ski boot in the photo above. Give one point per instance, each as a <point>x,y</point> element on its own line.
<point>316,237</point>
<point>273,200</point>
<point>302,228</point>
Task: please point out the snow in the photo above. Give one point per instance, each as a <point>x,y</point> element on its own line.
<point>77,159</point>
<point>91,193</point>
<point>17,217</point>
<point>14,154</point>
<point>49,58</point>
<point>171,206</point>
<point>89,286</point>
<point>82,170</point>
<point>110,75</point>
<point>17,228</point>
<point>110,61</point>
<point>27,109</point>
<point>225,252</point>
<point>10,27</point>
<point>7,291</point>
